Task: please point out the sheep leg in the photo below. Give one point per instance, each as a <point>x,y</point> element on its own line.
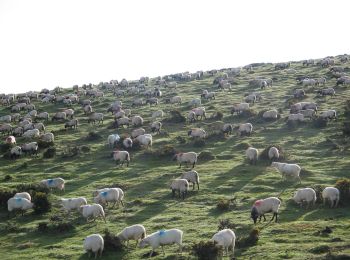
<point>336,202</point>
<point>96,254</point>
<point>173,193</point>
<point>260,218</point>
<point>163,250</point>
<point>122,203</point>
<point>150,254</point>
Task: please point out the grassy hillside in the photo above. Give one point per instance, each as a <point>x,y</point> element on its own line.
<point>322,153</point>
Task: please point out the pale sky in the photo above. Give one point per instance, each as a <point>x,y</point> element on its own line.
<point>48,43</point>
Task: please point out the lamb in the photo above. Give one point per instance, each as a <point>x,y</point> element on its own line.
<point>227,129</point>
<point>261,207</point>
<point>252,155</point>
<point>157,114</point>
<point>329,114</point>
<point>246,128</point>
<point>273,153</point>
<point>73,203</point>
<point>270,114</point>
<point>93,210</point>
<point>306,194</point>
<point>239,108</point>
<point>161,238</point>
<point>55,183</point>
<point>191,176</point>
<point>156,127</point>
<point>94,243</point>
<point>15,152</point>
<point>134,232</point>
<point>197,132</point>
<point>180,185</point>
<point>24,195</point>
<point>19,203</point>
<point>137,121</point>
<point>121,157</point>
<point>127,143</point>
<point>48,138</point>
<point>332,194</point>
<point>59,116</point>
<point>112,140</point>
<point>122,121</point>
<point>71,124</point>
<point>145,140</point>
<point>31,148</point>
<point>288,169</point>
<point>225,238</point>
<point>190,157</point>
<point>136,132</point>
<point>93,117</point>
<point>110,195</point>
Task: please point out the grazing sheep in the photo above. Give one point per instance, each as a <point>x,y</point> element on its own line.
<point>152,101</point>
<point>191,176</point>
<point>199,111</point>
<point>288,169</point>
<point>299,93</point>
<point>134,232</point>
<point>69,113</point>
<point>48,138</point>
<point>296,117</point>
<point>180,185</point>
<point>28,127</point>
<point>208,95</point>
<point>246,128</point>
<point>137,121</point>
<point>93,117</point>
<point>175,100</point>
<point>225,238</point>
<point>190,157</point>
<point>308,113</point>
<point>273,153</point>
<point>87,109</point>
<point>15,152</point>
<point>239,108</point>
<point>195,102</point>
<point>93,210</point>
<point>25,195</point>
<point>261,207</point>
<point>191,116</point>
<point>95,244</point>
<point>106,190</point>
<point>137,102</point>
<point>18,131</point>
<point>270,114</point>
<point>145,140</point>
<point>157,114</point>
<point>6,119</point>
<point>197,132</point>
<point>252,155</point>
<point>40,127</point>
<point>119,114</point>
<point>156,127</point>
<point>306,194</point>
<point>161,238</point>
<point>227,129</point>
<point>6,128</point>
<point>31,148</point>
<point>110,195</point>
<point>326,92</point>
<point>43,115</point>
<point>329,114</point>
<point>19,203</point>
<point>250,98</point>
<point>122,121</point>
<point>55,183</point>
<point>127,143</point>
<point>332,194</point>
<point>59,116</point>
<point>136,132</point>
<point>10,140</point>
<point>121,157</point>
<point>73,203</point>
<point>71,124</point>
<point>112,140</point>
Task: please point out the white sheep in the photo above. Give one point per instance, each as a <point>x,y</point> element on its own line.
<point>199,112</point>
<point>191,116</point>
<point>112,140</point>
<point>191,176</point>
<point>227,129</point>
<point>72,124</point>
<point>225,238</point>
<point>157,114</point>
<point>288,169</point>
<point>161,238</point>
<point>24,195</point>
<point>263,206</point>
<point>195,102</point>
<point>127,143</point>
<point>252,155</point>
<point>176,100</point>
<point>136,132</point>
<point>109,195</point>
<point>93,210</point>
<point>19,203</point>
<point>31,148</point>
<point>55,183</point>
<point>156,127</point>
<point>308,113</point>
<point>48,137</point>
<point>120,194</point>
<point>306,194</point>
<point>121,157</point>
<point>329,114</point>
<point>190,157</point>
<point>122,121</point>
<point>246,128</point>
<point>145,140</point>
<point>296,117</point>
<point>93,117</point>
<point>73,203</point>
<point>239,108</point>
<point>31,134</point>
<point>180,185</point>
<point>273,153</point>
<point>95,244</point>
<point>332,194</point>
<point>137,121</point>
<point>197,132</point>
<point>59,116</point>
<point>134,232</point>
<point>15,152</point>
<point>270,114</point>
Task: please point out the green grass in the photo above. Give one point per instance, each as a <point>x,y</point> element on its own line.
<point>146,181</point>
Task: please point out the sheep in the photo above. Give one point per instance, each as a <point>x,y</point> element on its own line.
<point>93,210</point>
<point>261,207</point>
<point>270,114</point>
<point>28,127</point>
<point>299,93</point>
<point>120,194</point>
<point>93,117</point>
<point>246,128</point>
<point>31,148</point>
<point>73,203</point>
<point>157,114</point>
<point>15,152</point>
<point>296,117</point>
<point>134,232</point>
<point>239,108</point>
<point>329,114</point>
<point>112,140</point>
<point>48,138</point>
<point>225,238</point>
<point>121,156</point>
<point>195,102</point>
<point>137,102</point>
<point>209,95</point>
<point>191,116</point>
<point>69,113</point>
<point>55,183</point>
<point>175,100</point>
<point>18,131</point>
<point>273,153</point>
<point>71,124</point>
<point>332,194</point>
<point>152,101</point>
<point>136,132</point>
<point>197,132</point>
<point>110,195</point>
<point>308,82</point>
<point>137,121</point>
<point>250,98</point>
<point>306,194</point>
<point>191,176</point>
<point>6,128</point>
<point>25,195</point>
<point>180,185</point>
<point>308,113</point>
<point>40,127</point>
<point>161,238</point>
<point>10,140</point>
<point>227,129</point>
<point>87,109</point>
<point>43,115</point>
<point>252,155</point>
<point>189,157</point>
<point>122,121</point>
<point>6,119</point>
<point>156,127</point>
<point>59,116</point>
<point>127,143</point>
<point>326,92</point>
<point>19,203</point>
<point>288,169</point>
<point>119,114</point>
<point>94,243</point>
<point>199,111</point>
<point>145,140</point>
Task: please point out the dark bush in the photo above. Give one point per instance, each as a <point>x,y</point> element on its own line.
<point>5,195</point>
<point>343,186</point>
<point>265,153</point>
<point>318,189</point>
<point>206,156</point>
<point>43,227</point>
<point>198,142</point>
<point>218,115</point>
<point>49,153</point>
<point>23,166</point>
<point>247,113</point>
<point>10,227</point>
<point>216,135</point>
<point>32,188</point>
<point>164,151</point>
<point>292,124</point>
<point>206,250</point>
<point>243,146</point>
<point>250,240</point>
<point>320,122</point>
<point>55,227</point>
<point>41,202</point>
<point>180,139</point>
<point>43,145</point>
<point>223,205</point>
<point>346,128</point>
<point>93,136</point>
<point>226,223</point>
<point>85,149</point>
<point>320,249</point>
<point>7,155</point>
<point>8,177</point>
<point>175,117</point>
<point>5,147</point>
<point>112,242</point>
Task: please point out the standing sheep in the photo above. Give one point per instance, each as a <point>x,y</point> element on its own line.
<point>112,140</point>
<point>95,244</point>
<point>227,129</point>
<point>197,132</point>
<point>156,127</point>
<point>110,195</point>
<point>73,203</point>
<point>252,155</point>
<point>306,194</point>
<point>93,210</point>
<point>24,195</point>
<point>134,232</point>
<point>246,129</point>
<point>57,183</point>
<point>332,194</point>
<point>273,153</point>
<point>127,143</point>
<point>191,176</point>
<point>261,207</point>
<point>190,157</point>
<point>137,121</point>
<point>225,238</point>
<point>288,169</point>
<point>121,156</point>
<point>19,203</point>
<point>180,185</point>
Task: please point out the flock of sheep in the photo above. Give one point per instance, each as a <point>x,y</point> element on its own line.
<point>30,126</point>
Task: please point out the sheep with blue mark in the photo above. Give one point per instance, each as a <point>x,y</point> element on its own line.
<point>18,203</point>
<point>55,183</point>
